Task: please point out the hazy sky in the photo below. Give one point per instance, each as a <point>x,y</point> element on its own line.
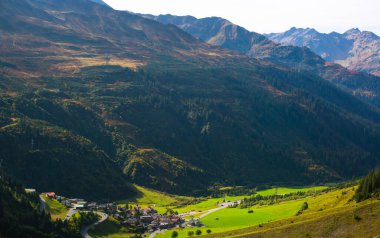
<point>266,16</point>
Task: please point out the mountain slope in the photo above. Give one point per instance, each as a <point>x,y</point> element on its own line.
<point>218,31</point>
<point>44,145</point>
<point>20,215</point>
<point>53,36</point>
<point>120,93</point>
<point>100,2</point>
<point>354,49</point>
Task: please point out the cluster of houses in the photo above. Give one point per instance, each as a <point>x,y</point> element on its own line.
<point>137,218</point>
<point>75,203</point>
<point>146,219</point>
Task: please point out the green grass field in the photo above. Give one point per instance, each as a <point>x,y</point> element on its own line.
<point>235,218</point>
<point>56,209</point>
<point>332,214</point>
<point>206,205</point>
<point>212,202</point>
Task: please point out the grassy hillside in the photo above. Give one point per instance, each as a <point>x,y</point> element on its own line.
<point>55,209</point>
<point>149,196</point>
<point>355,222</point>
<point>55,145</point>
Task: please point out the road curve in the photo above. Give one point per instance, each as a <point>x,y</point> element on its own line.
<point>153,234</point>
<point>84,230</point>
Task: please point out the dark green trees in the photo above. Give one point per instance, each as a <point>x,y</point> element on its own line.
<point>369,186</point>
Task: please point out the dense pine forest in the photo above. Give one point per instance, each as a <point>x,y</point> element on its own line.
<point>369,186</point>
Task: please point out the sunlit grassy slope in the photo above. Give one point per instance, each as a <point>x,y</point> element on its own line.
<point>325,210</point>
<point>150,196</point>
<point>362,220</point>
<point>56,209</point>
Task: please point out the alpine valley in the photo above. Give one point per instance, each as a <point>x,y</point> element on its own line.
<point>184,117</point>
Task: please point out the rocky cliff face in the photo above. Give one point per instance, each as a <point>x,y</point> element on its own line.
<point>354,49</point>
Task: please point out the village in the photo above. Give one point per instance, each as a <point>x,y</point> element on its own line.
<point>132,217</point>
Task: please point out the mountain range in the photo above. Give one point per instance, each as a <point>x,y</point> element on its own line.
<point>354,49</point>
<point>219,31</point>
<point>94,100</point>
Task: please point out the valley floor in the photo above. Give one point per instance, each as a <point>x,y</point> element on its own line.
<point>329,214</point>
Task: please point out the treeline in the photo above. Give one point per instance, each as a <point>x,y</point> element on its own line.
<point>217,192</point>
<point>272,199</point>
<point>369,186</point>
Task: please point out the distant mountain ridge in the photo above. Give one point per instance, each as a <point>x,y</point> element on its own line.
<point>219,31</point>
<point>100,2</point>
<point>354,49</point>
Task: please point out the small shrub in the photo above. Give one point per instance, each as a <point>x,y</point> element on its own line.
<point>250,211</point>
<point>304,207</point>
<point>198,232</point>
<point>208,231</point>
<point>174,234</point>
<point>190,233</point>
<point>357,217</point>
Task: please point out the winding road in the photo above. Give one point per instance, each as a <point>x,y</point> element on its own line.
<point>84,230</point>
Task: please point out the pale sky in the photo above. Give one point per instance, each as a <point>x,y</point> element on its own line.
<point>265,16</point>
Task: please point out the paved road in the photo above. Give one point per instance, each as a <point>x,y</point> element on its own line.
<point>211,211</point>
<point>84,230</point>
<point>156,233</point>
<point>71,212</point>
<point>43,204</point>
